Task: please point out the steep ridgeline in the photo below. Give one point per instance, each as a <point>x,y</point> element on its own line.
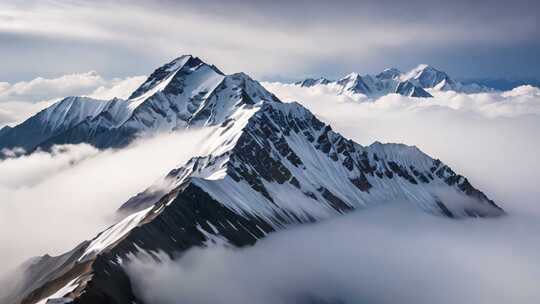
<point>382,84</point>
<point>414,83</point>
<point>61,117</point>
<point>185,92</point>
<point>267,166</point>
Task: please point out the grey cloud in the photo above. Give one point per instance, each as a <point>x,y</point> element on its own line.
<point>288,39</point>
<point>43,88</point>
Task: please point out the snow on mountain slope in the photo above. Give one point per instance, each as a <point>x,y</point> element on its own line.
<point>389,73</point>
<point>374,174</point>
<point>428,77</point>
<point>383,83</point>
<point>188,92</point>
<point>414,83</point>
<point>184,82</point>
<point>60,117</point>
<point>185,92</point>
<point>306,160</point>
<point>309,82</point>
<point>407,88</point>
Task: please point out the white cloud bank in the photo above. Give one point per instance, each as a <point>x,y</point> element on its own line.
<point>50,202</point>
<point>385,255</point>
<point>391,253</point>
<point>20,100</point>
<point>43,88</point>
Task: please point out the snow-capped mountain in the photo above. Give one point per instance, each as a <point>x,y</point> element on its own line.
<point>184,92</point>
<point>309,82</point>
<point>62,116</point>
<point>371,86</point>
<point>266,165</point>
<point>414,83</point>
<point>428,77</point>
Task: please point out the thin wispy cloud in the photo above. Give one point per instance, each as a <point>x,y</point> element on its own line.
<point>286,39</point>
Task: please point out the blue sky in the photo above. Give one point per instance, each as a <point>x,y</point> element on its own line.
<point>270,39</point>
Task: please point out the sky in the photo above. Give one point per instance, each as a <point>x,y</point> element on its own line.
<point>270,40</point>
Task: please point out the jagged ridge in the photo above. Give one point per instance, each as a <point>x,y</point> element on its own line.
<point>413,83</point>
<point>185,92</point>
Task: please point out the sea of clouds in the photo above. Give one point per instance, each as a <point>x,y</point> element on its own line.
<point>385,255</point>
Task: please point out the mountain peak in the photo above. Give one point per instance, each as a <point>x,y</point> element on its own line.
<point>386,82</point>
<point>423,66</point>
<point>310,82</point>
<point>427,76</point>
<point>184,92</point>
<point>167,71</point>
<point>351,76</point>
<point>389,73</point>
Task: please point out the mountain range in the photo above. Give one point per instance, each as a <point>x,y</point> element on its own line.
<point>183,93</point>
<point>267,165</point>
<point>414,83</point>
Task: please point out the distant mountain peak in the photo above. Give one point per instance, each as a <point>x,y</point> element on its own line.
<point>351,76</point>
<point>389,73</point>
<point>412,83</point>
<point>423,67</point>
<point>383,83</point>
<point>309,82</point>
<point>428,77</point>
